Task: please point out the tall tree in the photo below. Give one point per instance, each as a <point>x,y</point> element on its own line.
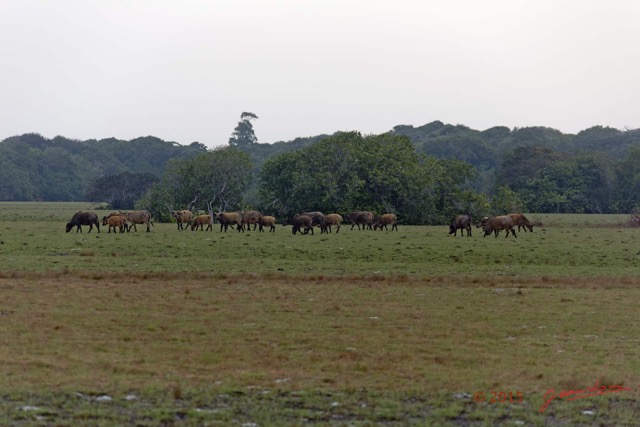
<point>223,175</point>
<point>243,135</point>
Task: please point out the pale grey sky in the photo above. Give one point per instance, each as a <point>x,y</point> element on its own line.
<point>185,70</point>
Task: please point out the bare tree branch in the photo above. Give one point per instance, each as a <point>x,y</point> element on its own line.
<point>193,202</point>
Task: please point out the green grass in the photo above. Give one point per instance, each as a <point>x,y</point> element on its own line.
<point>358,328</point>
<point>579,221</point>
<point>413,250</point>
<point>44,211</point>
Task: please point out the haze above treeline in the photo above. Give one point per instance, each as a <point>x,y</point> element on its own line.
<point>35,168</point>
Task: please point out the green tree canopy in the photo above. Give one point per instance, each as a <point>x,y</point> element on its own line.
<point>348,172</point>
<point>627,178</point>
<point>523,164</point>
<point>215,179</point>
<point>122,190</point>
<point>62,169</point>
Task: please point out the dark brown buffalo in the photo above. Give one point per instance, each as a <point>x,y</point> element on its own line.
<point>227,219</point>
<point>201,221</point>
<point>118,222</point>
<point>251,217</point>
<point>385,220</point>
<point>334,219</point>
<point>83,218</point>
<point>301,223</point>
<point>497,223</point>
<point>364,218</point>
<point>318,219</point>
<point>183,218</point>
<point>267,221</point>
<point>139,217</point>
<point>460,222</point>
<point>521,221</point>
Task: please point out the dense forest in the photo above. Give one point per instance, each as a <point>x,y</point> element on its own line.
<point>34,168</point>
<point>424,174</point>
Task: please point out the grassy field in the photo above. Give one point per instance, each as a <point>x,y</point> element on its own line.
<point>357,328</point>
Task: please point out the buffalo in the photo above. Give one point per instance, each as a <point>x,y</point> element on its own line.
<point>301,223</point>
<point>183,218</point>
<point>364,218</point>
<point>385,220</point>
<point>333,219</point>
<point>139,217</point>
<point>269,221</point>
<point>251,217</point>
<point>83,218</point>
<point>125,224</point>
<point>115,221</point>
<point>318,219</point>
<point>201,221</point>
<point>521,221</point>
<point>460,222</point>
<point>227,219</point>
<point>497,223</point>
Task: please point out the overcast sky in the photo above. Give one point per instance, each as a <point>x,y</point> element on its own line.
<point>185,70</point>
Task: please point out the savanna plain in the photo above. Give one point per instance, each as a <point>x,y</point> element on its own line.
<point>407,327</point>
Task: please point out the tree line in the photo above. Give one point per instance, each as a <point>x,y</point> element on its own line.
<point>423,174</point>
<point>34,168</point>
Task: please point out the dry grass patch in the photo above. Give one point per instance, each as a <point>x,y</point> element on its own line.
<point>284,350</point>
<point>120,331</point>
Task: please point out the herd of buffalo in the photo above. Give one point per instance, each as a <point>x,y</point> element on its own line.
<point>122,221</point>
<point>493,224</point>
<point>302,223</point>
